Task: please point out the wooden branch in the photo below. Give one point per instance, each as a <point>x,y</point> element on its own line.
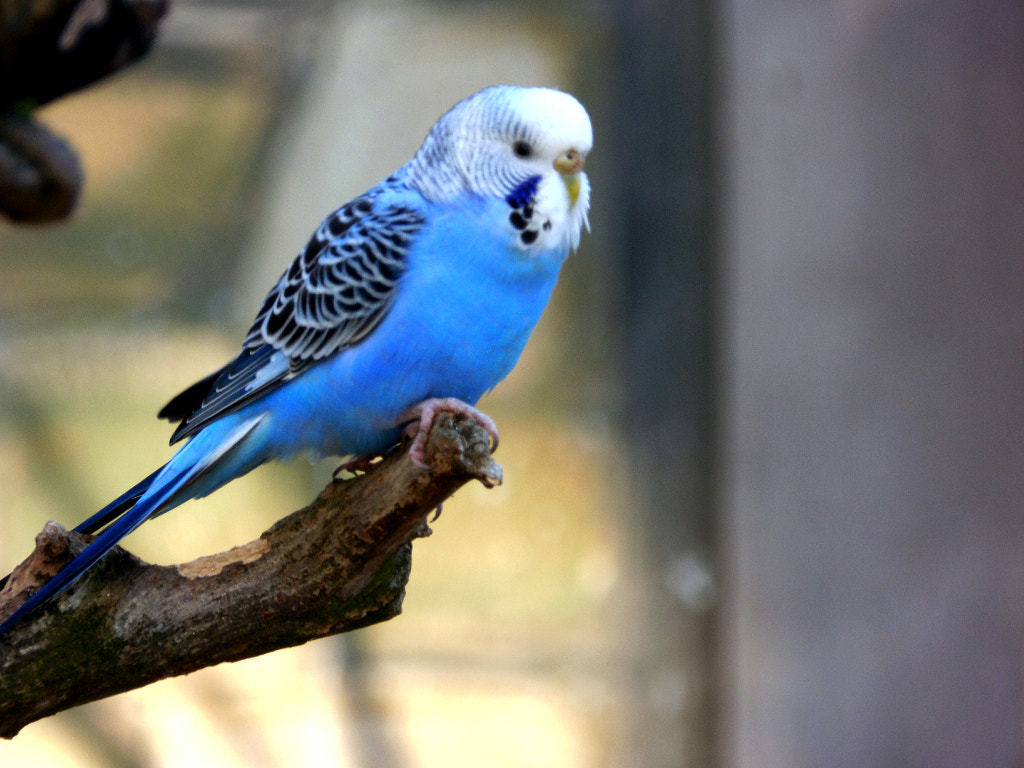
<point>339,564</point>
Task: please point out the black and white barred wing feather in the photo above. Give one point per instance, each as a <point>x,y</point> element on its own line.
<point>331,297</point>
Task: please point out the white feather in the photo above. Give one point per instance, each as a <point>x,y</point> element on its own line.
<point>472,148</point>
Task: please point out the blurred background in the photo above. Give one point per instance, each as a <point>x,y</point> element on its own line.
<point>764,456</point>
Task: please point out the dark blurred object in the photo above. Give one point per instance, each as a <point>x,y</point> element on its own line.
<point>660,223</point>
<point>40,176</point>
<point>49,49</point>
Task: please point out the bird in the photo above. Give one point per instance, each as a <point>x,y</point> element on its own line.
<point>415,298</point>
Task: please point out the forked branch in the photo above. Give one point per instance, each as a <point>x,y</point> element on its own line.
<point>339,564</point>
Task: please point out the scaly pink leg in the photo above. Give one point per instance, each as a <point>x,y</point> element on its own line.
<point>421,418</point>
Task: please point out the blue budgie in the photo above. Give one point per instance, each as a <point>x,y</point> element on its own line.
<point>414,298</point>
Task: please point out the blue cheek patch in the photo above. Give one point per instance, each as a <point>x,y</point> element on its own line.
<point>524,193</point>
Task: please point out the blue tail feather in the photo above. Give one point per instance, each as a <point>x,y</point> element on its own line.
<point>130,519</point>
<point>162,490</point>
<point>117,507</point>
<point>111,512</point>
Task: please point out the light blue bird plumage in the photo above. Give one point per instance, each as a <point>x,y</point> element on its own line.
<point>418,296</point>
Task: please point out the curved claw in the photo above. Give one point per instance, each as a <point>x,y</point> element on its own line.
<point>421,419</point>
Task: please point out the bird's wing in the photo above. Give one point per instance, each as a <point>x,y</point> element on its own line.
<point>331,297</point>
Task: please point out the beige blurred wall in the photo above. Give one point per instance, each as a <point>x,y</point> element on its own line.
<point>387,71</point>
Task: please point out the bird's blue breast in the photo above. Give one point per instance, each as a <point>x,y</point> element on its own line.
<point>465,307</point>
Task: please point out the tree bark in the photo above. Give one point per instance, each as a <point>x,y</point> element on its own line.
<point>339,564</point>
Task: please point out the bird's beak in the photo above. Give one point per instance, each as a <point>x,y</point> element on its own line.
<point>569,164</point>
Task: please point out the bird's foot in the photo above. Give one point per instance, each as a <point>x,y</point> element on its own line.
<point>421,419</point>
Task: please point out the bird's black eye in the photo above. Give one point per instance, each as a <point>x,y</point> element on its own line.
<point>522,148</point>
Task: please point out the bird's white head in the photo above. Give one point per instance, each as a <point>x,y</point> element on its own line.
<point>523,145</point>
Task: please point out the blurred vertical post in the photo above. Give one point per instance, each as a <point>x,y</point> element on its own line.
<point>657,219</point>
<point>873,451</point>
